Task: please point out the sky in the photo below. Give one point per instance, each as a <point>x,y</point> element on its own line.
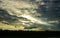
<point>35,15</point>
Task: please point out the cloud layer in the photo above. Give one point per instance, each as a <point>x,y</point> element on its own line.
<point>29,15</point>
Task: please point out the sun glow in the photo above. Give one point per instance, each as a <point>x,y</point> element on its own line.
<point>34,20</point>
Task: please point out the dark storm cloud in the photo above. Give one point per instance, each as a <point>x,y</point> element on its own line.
<point>53,10</point>
<point>5,16</point>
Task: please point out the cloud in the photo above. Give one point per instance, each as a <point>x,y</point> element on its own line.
<point>18,12</point>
